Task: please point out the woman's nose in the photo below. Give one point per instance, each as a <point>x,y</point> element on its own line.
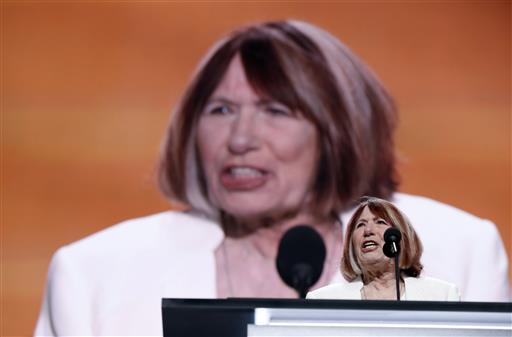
<point>243,134</point>
<point>369,230</point>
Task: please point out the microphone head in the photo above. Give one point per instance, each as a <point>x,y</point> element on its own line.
<point>391,249</point>
<point>300,258</point>
<point>392,234</point>
<point>392,237</point>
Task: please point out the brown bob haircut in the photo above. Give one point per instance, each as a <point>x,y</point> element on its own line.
<point>412,248</point>
<point>313,73</point>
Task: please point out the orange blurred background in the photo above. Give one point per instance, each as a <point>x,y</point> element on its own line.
<point>87,89</point>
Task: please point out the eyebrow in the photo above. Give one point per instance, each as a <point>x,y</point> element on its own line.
<point>374,218</point>
<point>220,100</point>
<point>260,102</point>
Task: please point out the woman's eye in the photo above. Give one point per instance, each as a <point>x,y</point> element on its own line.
<point>381,222</point>
<point>361,224</point>
<point>278,110</point>
<point>218,110</point>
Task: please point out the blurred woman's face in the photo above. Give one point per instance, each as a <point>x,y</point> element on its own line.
<point>258,156</point>
<point>368,239</point>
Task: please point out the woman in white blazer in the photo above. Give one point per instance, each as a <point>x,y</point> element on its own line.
<point>368,262</point>
<point>281,125</point>
<point>416,289</point>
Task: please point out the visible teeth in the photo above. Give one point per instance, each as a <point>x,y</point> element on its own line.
<point>369,244</point>
<point>245,172</point>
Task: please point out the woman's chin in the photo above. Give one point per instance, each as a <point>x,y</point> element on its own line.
<point>258,212</point>
<point>373,259</point>
<point>245,209</point>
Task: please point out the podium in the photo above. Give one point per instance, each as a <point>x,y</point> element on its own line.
<point>239,317</point>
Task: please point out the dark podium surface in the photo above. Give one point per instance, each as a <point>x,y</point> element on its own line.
<point>295,317</point>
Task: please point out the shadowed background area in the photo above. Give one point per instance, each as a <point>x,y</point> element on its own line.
<point>88,87</point>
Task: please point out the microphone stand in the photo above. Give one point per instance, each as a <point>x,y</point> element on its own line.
<point>397,277</point>
<point>391,249</point>
<point>397,273</point>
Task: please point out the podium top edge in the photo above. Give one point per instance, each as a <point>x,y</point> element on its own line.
<point>272,303</point>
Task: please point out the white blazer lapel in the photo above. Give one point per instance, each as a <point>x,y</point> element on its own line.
<point>190,267</point>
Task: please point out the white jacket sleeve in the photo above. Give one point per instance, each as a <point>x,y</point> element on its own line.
<point>64,309</point>
<point>487,279</point>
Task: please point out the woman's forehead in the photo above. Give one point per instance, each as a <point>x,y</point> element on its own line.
<point>375,210</point>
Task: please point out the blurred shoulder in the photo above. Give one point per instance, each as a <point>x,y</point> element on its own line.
<point>424,206</point>
<point>170,228</point>
<point>138,261</point>
<point>422,210</point>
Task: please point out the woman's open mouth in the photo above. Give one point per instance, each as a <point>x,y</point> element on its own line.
<point>243,178</point>
<point>369,246</point>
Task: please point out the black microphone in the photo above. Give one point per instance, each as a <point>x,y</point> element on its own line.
<point>392,237</point>
<point>300,258</point>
